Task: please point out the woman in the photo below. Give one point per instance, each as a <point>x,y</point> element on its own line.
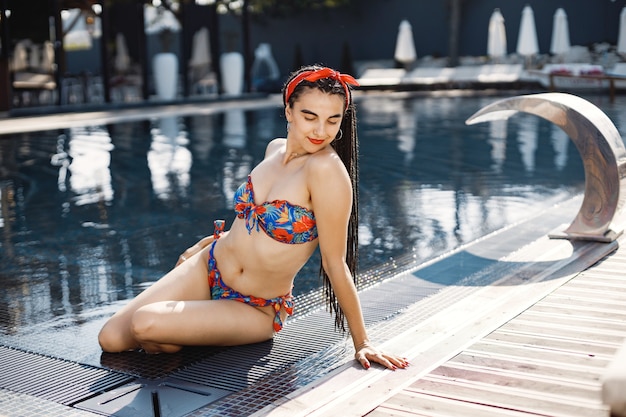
<point>302,194</point>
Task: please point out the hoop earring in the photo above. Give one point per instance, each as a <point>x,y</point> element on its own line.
<point>340,135</point>
<point>288,126</point>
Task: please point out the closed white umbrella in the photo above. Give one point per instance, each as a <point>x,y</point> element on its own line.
<point>122,59</point>
<point>200,62</point>
<point>20,57</point>
<point>200,57</point>
<point>47,61</point>
<point>621,41</point>
<point>560,43</point>
<point>264,67</point>
<point>405,46</point>
<point>496,41</point>
<point>527,44</point>
<point>34,60</point>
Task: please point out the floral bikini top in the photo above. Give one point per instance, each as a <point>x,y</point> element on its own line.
<point>279,219</point>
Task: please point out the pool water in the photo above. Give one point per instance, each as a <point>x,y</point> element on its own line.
<point>92,215</point>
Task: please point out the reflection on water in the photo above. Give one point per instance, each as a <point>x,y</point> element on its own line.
<point>527,141</point>
<point>169,160</point>
<point>237,163</point>
<point>90,216</point>
<point>560,143</point>
<point>497,141</point>
<point>89,175</point>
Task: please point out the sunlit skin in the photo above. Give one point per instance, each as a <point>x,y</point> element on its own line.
<point>303,169</point>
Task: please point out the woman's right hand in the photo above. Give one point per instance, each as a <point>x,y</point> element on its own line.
<point>189,252</point>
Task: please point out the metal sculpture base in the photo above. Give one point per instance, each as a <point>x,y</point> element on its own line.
<point>607,237</point>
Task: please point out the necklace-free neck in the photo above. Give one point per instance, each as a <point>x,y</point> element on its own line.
<point>289,151</point>
<point>290,156</point>
<point>296,155</point>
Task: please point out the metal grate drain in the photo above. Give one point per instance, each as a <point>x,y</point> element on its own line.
<point>146,366</point>
<point>153,398</point>
<point>54,379</point>
<point>242,366</point>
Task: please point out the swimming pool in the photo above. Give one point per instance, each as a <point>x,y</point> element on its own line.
<point>91,215</point>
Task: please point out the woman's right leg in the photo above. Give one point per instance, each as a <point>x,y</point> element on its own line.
<point>187,282</point>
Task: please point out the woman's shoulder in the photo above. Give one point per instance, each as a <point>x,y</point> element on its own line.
<point>328,183</point>
<point>326,164</point>
<point>274,145</point>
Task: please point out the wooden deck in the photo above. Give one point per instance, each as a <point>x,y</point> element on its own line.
<point>505,350</point>
<point>546,361</point>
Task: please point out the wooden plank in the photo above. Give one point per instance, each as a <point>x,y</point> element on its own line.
<point>563,390</point>
<point>531,357</point>
<point>546,356</point>
<point>589,377</point>
<point>585,343</point>
<point>598,285</point>
<point>503,398</point>
<point>609,276</point>
<point>609,296</point>
<point>586,300</point>
<point>612,327</point>
<point>544,325</point>
<point>383,411</point>
<point>550,305</point>
<point>421,404</point>
<point>605,321</point>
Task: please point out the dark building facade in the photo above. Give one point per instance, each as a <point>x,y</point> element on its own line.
<point>364,31</point>
<point>370,28</point>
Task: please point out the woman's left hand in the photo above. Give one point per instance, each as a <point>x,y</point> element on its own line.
<point>366,353</point>
<point>202,243</point>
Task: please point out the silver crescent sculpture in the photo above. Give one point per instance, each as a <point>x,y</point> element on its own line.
<point>600,146</point>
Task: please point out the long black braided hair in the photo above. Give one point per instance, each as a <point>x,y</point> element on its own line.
<point>346,146</point>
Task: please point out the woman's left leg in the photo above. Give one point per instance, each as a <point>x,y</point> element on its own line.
<point>169,325</point>
<point>177,310</point>
<point>188,281</point>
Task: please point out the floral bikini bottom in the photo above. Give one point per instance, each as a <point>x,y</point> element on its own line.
<point>220,291</point>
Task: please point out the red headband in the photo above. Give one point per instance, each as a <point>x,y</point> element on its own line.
<point>313,76</point>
